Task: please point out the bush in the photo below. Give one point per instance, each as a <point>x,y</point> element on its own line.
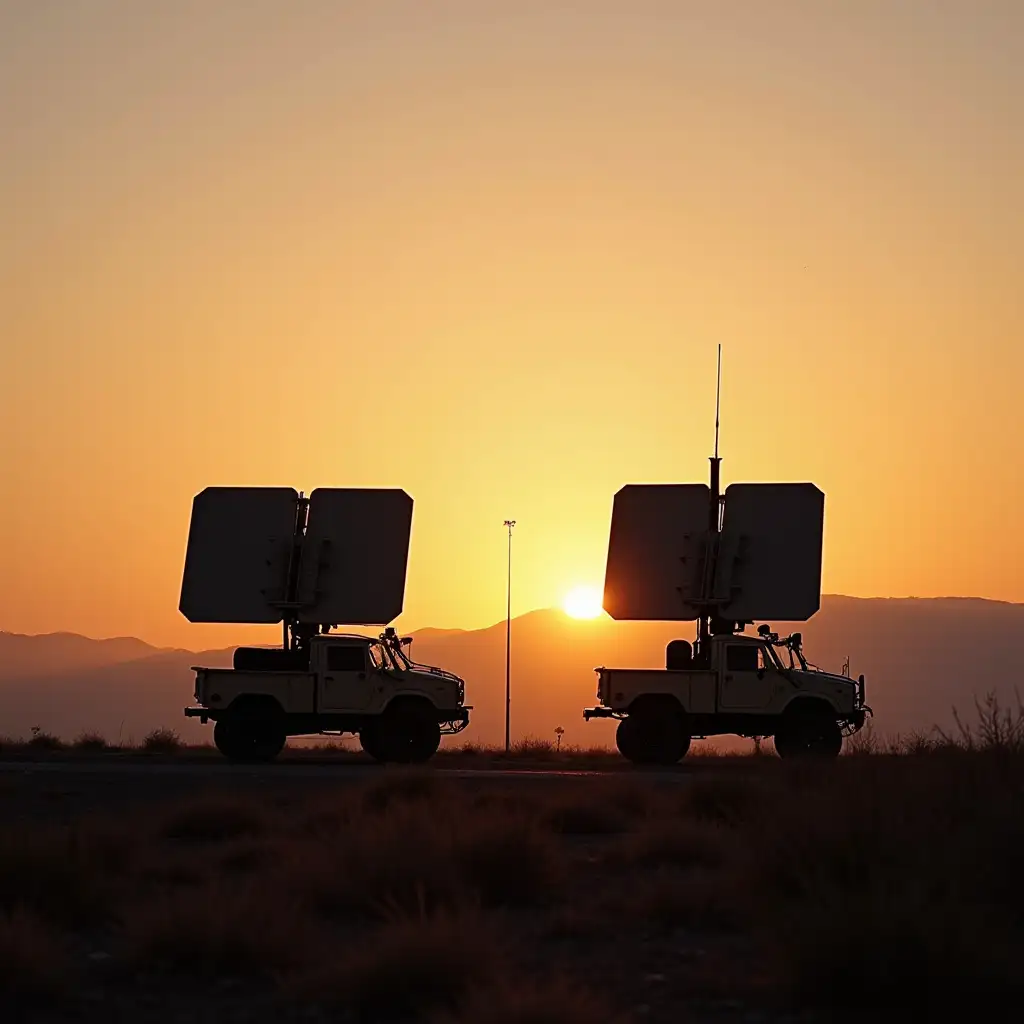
<point>90,742</point>
<point>44,740</point>
<point>162,741</point>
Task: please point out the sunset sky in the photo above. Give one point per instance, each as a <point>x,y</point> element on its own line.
<point>485,251</point>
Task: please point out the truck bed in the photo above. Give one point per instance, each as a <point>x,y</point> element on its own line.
<point>695,688</point>
<point>295,690</point>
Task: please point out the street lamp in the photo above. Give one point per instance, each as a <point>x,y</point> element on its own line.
<point>509,523</point>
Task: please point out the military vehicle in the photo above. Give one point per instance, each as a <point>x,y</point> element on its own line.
<point>688,552</point>
<point>272,555</point>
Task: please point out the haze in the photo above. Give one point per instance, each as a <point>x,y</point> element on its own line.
<point>485,252</point>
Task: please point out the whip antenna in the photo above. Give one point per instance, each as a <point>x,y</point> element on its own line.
<point>718,397</point>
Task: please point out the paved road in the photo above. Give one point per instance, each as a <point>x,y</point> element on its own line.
<point>279,772</point>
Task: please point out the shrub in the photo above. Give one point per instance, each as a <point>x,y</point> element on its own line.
<point>90,742</point>
<point>44,740</point>
<point>531,748</point>
<point>162,741</point>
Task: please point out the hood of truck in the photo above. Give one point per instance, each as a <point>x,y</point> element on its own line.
<point>823,681</point>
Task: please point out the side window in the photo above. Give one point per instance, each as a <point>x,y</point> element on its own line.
<point>764,660</point>
<point>346,658</point>
<point>741,658</point>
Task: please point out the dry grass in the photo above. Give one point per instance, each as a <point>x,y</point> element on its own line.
<point>34,964</point>
<point>536,1002</point>
<point>162,741</point>
<point>674,842</point>
<point>215,818</point>
<point>408,967</point>
<point>89,742</point>
<point>240,930</point>
<point>58,875</point>
<point>876,883</point>
<point>44,740</point>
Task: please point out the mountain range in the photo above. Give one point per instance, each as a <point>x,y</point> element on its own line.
<point>922,657</point>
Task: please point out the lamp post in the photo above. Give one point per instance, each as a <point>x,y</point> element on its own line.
<point>509,523</point>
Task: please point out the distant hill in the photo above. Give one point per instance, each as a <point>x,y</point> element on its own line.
<point>27,656</point>
<point>921,657</point>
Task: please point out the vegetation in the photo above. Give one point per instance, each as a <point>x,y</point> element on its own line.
<point>162,741</point>
<point>875,885</point>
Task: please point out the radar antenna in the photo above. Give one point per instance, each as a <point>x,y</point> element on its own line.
<point>723,557</point>
<point>714,517</point>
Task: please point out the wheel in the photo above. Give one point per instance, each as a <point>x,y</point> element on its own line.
<point>653,736</point>
<point>369,740</point>
<point>809,734</point>
<point>224,738</point>
<point>250,737</point>
<point>407,734</point>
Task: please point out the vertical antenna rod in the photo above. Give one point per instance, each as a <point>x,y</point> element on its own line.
<point>716,462</point>
<point>714,513</point>
<point>718,397</point>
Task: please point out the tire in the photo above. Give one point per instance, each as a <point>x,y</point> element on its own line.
<point>250,737</point>
<point>653,736</point>
<point>406,734</point>
<point>810,735</point>
<point>369,740</point>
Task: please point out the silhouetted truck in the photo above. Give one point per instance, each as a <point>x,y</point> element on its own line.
<point>337,684</point>
<point>749,686</point>
<point>272,555</point>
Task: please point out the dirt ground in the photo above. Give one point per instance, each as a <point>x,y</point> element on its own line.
<point>742,891</point>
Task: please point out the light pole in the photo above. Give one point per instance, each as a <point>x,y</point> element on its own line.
<point>509,523</point>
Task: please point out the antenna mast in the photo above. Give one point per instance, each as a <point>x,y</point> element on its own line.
<point>714,516</point>
<point>718,398</point>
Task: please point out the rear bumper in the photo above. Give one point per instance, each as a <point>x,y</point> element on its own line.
<point>203,714</point>
<point>589,713</point>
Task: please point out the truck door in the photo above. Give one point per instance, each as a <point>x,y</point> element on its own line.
<point>748,678</point>
<point>346,683</point>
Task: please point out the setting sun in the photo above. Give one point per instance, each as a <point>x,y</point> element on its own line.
<point>583,603</point>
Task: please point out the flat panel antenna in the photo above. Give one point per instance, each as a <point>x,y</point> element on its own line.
<point>354,556</point>
<point>770,554</point>
<point>656,549</point>
<point>240,541</point>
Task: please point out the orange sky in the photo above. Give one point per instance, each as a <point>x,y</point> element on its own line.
<point>485,252</point>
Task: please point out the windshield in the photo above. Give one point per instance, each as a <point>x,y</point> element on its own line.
<point>386,657</point>
<point>796,657</point>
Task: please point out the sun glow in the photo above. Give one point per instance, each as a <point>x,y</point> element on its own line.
<point>583,603</point>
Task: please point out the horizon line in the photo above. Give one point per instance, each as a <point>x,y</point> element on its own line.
<point>500,622</point>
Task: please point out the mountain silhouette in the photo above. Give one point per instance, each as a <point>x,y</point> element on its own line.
<point>921,658</point>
